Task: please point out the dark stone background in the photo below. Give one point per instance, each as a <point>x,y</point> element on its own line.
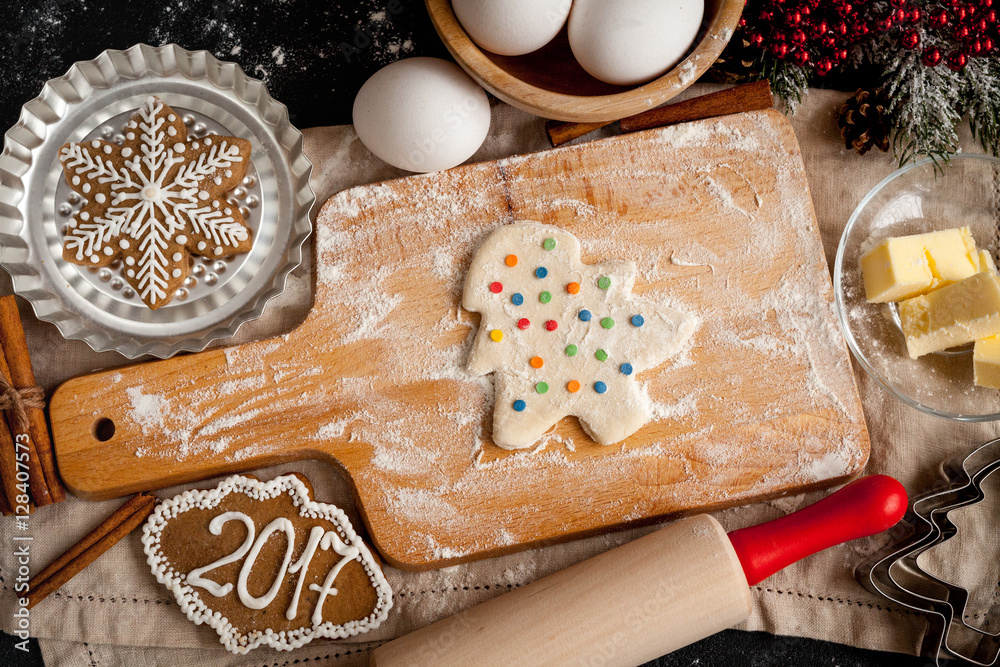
<point>314,55</point>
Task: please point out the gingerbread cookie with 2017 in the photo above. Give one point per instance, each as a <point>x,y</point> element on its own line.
<point>264,564</point>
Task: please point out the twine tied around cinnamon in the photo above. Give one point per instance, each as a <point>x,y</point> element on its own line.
<point>19,400</point>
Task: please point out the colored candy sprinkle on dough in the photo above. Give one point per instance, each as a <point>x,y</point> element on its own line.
<point>600,387</point>
<point>607,322</point>
<point>573,288</point>
<point>584,315</point>
<point>523,323</point>
<point>551,325</point>
<point>517,299</point>
<point>541,387</point>
<point>626,369</point>
<point>638,320</point>
<point>545,297</point>
<point>571,350</point>
<point>604,282</point>
<point>549,244</point>
<point>541,272</point>
<point>496,288</point>
<point>496,335</point>
<point>572,386</point>
<point>601,355</point>
<point>536,362</point>
<point>510,260</point>
<point>519,405</point>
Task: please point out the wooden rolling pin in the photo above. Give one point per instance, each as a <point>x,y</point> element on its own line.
<point>649,597</point>
<point>746,97</point>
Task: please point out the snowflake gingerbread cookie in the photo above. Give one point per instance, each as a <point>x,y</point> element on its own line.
<point>562,337</point>
<point>154,201</point>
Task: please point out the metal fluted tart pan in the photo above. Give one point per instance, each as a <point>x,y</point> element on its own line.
<point>94,100</point>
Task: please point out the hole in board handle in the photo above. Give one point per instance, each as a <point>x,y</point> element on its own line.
<point>103,429</point>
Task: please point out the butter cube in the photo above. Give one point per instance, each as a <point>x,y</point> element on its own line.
<point>907,266</point>
<point>986,361</point>
<point>986,264</point>
<point>954,315</point>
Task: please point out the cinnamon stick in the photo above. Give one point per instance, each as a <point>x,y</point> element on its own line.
<point>15,351</point>
<point>11,433</point>
<point>746,97</point>
<point>111,531</point>
<point>562,132</point>
<point>5,507</point>
<point>8,471</point>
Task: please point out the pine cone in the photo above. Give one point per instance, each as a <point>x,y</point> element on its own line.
<point>864,122</point>
<point>737,63</point>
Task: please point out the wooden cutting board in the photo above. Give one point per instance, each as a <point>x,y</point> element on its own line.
<point>717,216</point>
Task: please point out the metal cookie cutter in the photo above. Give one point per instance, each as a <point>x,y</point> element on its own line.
<point>895,573</point>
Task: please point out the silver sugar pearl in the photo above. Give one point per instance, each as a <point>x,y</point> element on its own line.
<point>128,293</point>
<point>104,275</point>
<point>252,201</point>
<point>190,282</point>
<point>198,270</point>
<point>65,209</point>
<point>239,193</point>
<point>107,131</point>
<point>219,267</point>
<point>211,279</point>
<point>188,120</point>
<point>73,198</point>
<point>116,283</point>
<point>245,212</point>
<point>181,294</point>
<point>119,139</point>
<point>199,129</point>
<point>249,181</point>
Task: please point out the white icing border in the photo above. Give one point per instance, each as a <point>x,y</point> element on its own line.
<point>190,600</point>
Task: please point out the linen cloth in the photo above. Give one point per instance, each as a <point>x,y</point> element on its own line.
<point>114,612</point>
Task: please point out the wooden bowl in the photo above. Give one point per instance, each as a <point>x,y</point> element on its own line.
<point>550,83</point>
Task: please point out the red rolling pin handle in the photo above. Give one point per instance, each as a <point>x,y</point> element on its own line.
<point>863,507</point>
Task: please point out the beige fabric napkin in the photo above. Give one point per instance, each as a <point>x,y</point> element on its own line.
<point>114,613</point>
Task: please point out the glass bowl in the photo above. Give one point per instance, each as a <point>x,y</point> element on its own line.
<point>920,197</point>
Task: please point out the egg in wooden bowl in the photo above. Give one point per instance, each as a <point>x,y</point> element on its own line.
<point>550,82</point>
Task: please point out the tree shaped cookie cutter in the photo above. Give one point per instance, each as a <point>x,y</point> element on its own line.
<point>894,572</point>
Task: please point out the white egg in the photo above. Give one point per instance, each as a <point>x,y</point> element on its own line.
<point>422,114</point>
<point>628,42</point>
<point>512,27</point>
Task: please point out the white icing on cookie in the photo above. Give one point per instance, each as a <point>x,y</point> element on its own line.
<point>254,602</point>
<point>349,553</point>
<point>315,535</point>
<point>188,588</point>
<point>195,578</point>
<point>562,337</point>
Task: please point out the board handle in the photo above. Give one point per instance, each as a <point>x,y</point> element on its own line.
<point>864,507</point>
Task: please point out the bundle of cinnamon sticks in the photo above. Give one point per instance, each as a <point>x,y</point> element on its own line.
<point>112,530</point>
<point>28,476</point>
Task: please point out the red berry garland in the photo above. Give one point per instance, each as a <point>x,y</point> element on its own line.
<point>812,34</point>
<point>818,34</point>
